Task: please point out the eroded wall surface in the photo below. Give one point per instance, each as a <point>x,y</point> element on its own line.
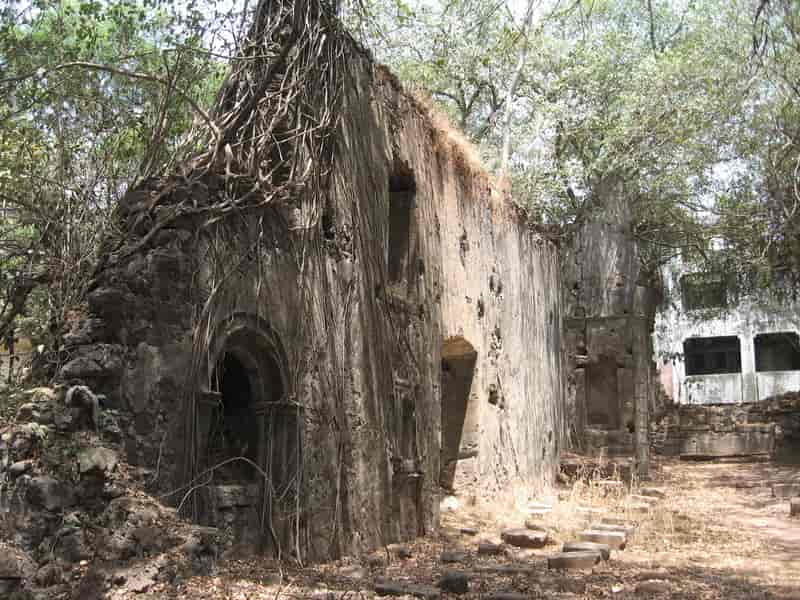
<point>609,308</point>
<point>345,324</point>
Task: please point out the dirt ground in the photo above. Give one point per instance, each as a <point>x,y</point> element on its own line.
<point>717,534</point>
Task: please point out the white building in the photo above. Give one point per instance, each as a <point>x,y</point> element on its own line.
<point>713,349</point>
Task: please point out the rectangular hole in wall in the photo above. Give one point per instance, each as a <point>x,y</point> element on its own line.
<point>712,355</point>
<point>699,290</point>
<point>777,351</point>
<point>401,203</point>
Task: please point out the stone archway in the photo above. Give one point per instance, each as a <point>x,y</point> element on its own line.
<point>248,437</point>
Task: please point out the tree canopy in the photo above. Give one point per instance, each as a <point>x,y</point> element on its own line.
<point>692,105</point>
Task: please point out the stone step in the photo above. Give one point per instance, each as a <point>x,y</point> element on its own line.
<point>574,560</point>
<point>643,499</point>
<point>524,538</point>
<point>614,520</point>
<point>786,490</point>
<point>453,556</point>
<point>613,539</point>
<point>590,510</point>
<point>603,549</point>
<point>398,588</point>
<point>628,530</point>
<point>638,507</point>
<point>489,548</point>
<point>454,582</point>
<point>505,569</point>
<point>652,492</point>
<point>794,507</point>
<point>507,596</point>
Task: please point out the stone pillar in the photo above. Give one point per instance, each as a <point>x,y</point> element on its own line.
<point>642,391</point>
<point>748,354</point>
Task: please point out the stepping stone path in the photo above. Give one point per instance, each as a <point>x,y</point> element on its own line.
<point>525,538</point>
<point>786,490</point>
<point>455,582</point>
<point>794,507</point>
<point>574,560</point>
<point>396,588</point>
<point>613,539</point>
<point>603,549</point>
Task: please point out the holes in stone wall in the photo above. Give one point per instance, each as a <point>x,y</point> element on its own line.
<point>712,355</point>
<point>777,351</point>
<point>401,204</point>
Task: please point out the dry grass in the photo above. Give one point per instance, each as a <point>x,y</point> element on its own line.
<point>699,541</point>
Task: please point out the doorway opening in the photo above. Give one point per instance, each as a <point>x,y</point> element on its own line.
<point>459,409</point>
<point>602,394</point>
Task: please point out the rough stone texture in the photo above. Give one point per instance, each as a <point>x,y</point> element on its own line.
<point>525,538</point>
<point>454,582</point>
<point>609,310</point>
<point>613,539</point>
<point>405,314</point>
<point>769,427</point>
<point>603,549</point>
<point>574,560</point>
<point>394,588</point>
<point>786,490</point>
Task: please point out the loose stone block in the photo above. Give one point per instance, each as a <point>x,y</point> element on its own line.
<point>489,548</point>
<point>603,549</point>
<point>455,582</point>
<point>395,588</point>
<point>628,530</point>
<point>505,569</point>
<point>638,498</point>
<point>638,507</point>
<point>786,490</point>
<point>574,560</point>
<point>525,538</point>
<point>533,525</point>
<point>654,586</point>
<point>453,556</point>
<point>507,596</point>
<point>468,531</point>
<point>614,520</point>
<point>613,539</point>
<point>652,492</point>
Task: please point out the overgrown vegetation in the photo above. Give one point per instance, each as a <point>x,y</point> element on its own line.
<point>692,106</point>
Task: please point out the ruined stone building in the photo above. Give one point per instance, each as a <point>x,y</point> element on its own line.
<point>335,317</point>
<point>609,309</point>
<point>716,348</point>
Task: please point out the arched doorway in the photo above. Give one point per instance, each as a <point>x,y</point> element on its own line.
<point>249,442</point>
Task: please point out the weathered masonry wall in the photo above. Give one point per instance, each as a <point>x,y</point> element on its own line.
<point>407,337</point>
<point>770,427</point>
<point>609,308</point>
<point>726,352</point>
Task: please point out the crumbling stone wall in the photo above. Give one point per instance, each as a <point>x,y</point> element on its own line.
<point>352,314</point>
<point>769,427</point>
<point>609,310</point>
